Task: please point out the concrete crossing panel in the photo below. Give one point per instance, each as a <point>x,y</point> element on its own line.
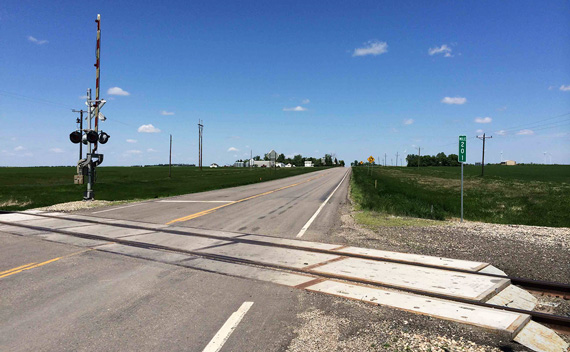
<point>463,285</point>
<point>271,255</point>
<point>507,322</point>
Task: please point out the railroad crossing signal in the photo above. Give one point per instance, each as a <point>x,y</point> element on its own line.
<point>462,156</point>
<point>370,159</point>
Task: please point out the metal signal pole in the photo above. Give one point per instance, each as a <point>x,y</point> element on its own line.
<point>483,157</point>
<point>170,159</point>
<point>98,74</point>
<point>200,129</point>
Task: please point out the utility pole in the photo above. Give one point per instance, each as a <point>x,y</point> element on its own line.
<point>483,138</point>
<point>200,129</point>
<point>170,159</point>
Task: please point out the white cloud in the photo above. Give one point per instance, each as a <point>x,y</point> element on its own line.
<point>233,149</point>
<point>305,101</point>
<point>372,47</point>
<point>133,152</point>
<point>166,113</point>
<point>19,148</point>
<point>444,49</point>
<point>408,121</point>
<point>131,140</point>
<point>565,88</point>
<point>150,150</point>
<point>296,108</point>
<point>455,100</point>
<point>479,131</point>
<point>117,91</point>
<point>56,150</point>
<point>525,132</point>
<point>483,119</point>
<point>501,133</point>
<point>34,40</point>
<point>148,129</point>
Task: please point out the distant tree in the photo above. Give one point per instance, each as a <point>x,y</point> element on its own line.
<point>298,160</point>
<point>257,158</point>
<point>281,158</point>
<point>355,163</point>
<point>317,162</point>
<point>441,159</point>
<point>335,161</point>
<point>266,157</point>
<point>341,163</point>
<point>328,160</point>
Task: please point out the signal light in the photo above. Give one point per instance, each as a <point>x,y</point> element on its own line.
<point>75,137</point>
<point>92,137</point>
<point>103,137</point>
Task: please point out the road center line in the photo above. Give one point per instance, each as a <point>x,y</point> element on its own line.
<point>29,266</point>
<point>126,206</point>
<point>304,229</point>
<point>208,211</point>
<point>226,330</point>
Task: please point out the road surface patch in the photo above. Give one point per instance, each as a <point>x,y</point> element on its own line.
<point>30,266</point>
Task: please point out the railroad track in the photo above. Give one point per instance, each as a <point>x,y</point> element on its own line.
<point>559,323</point>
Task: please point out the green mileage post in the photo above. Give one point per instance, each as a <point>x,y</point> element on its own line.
<point>462,157</point>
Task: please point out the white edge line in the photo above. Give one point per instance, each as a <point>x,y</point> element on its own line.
<point>226,330</point>
<point>306,227</point>
<point>195,201</point>
<point>102,211</point>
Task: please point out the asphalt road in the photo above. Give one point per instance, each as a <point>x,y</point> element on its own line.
<point>279,208</point>
<point>80,299</point>
<point>66,297</point>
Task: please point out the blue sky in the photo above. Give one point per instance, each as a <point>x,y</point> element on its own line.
<point>310,77</point>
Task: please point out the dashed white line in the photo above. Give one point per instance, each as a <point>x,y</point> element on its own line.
<point>304,229</point>
<point>102,211</point>
<point>226,330</point>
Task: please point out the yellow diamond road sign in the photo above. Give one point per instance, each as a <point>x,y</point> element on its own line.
<point>371,159</point>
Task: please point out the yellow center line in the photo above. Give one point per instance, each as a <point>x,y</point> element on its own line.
<point>19,267</point>
<point>34,265</point>
<point>209,211</point>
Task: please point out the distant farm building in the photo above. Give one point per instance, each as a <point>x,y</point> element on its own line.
<point>308,163</point>
<point>508,162</point>
<point>262,163</point>
<point>214,165</point>
<point>239,164</point>
<point>279,165</point>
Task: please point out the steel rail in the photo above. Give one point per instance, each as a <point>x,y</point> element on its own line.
<point>551,288</point>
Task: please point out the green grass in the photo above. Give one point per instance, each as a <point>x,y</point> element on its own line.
<point>522,194</point>
<point>31,187</point>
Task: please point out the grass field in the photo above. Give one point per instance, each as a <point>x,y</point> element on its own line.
<point>522,194</point>
<point>24,188</point>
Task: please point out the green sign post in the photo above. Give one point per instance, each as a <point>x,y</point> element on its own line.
<point>462,149</point>
<point>462,157</point>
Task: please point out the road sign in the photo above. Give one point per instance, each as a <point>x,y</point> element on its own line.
<point>272,155</point>
<point>462,156</point>
<point>371,159</point>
